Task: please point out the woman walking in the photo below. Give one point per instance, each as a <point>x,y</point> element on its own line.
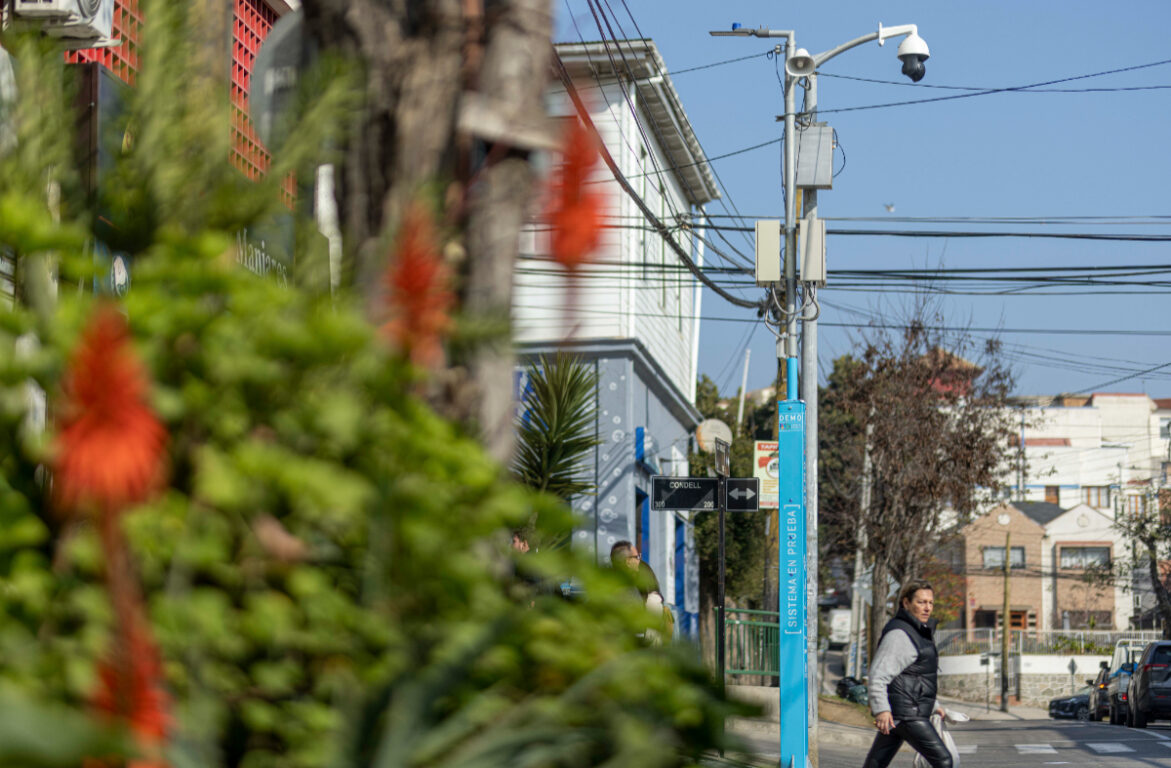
<point>902,682</point>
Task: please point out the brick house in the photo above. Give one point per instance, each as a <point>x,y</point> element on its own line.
<point>983,568</point>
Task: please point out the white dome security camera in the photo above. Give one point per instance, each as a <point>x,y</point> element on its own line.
<point>913,52</point>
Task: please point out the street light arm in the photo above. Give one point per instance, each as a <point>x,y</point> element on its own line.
<point>759,32</point>
<point>882,35</point>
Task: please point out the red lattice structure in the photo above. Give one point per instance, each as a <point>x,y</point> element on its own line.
<point>121,60</point>
<point>252,22</point>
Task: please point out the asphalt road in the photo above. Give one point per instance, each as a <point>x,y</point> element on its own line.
<point>1026,743</point>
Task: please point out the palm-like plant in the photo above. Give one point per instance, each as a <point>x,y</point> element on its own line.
<point>557,426</point>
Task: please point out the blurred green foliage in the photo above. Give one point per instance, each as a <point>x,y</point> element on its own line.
<point>327,571</point>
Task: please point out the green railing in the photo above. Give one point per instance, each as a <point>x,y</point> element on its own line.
<point>751,643</point>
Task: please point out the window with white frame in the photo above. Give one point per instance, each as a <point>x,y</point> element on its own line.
<point>1085,557</point>
<point>994,557</point>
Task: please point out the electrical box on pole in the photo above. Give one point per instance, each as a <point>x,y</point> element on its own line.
<point>815,157</point>
<point>768,252</point>
<point>813,250</point>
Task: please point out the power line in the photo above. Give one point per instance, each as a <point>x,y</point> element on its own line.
<point>584,115</point>
<point>714,63</point>
<point>897,326</point>
<point>1126,378</point>
<point>989,91</point>
<point>1024,89</point>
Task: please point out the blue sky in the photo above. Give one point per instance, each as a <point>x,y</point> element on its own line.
<point>1102,154</point>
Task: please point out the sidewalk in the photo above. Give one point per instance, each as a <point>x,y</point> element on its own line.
<point>762,732</point>
<point>977,711</point>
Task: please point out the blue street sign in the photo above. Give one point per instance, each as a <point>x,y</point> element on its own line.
<point>794,691</point>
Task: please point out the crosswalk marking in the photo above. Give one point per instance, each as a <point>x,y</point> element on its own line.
<point>1109,747</point>
<point>970,749</point>
<point>1036,749</point>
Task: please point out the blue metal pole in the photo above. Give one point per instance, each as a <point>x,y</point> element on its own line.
<point>793,666</point>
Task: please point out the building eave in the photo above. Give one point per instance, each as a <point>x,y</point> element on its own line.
<point>284,6</point>
<point>639,61</point>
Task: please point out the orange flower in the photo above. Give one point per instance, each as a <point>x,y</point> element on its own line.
<point>575,216</point>
<point>418,292</point>
<point>130,689</point>
<point>110,444</point>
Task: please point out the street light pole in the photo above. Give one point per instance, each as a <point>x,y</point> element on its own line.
<point>809,395</point>
<point>796,420</point>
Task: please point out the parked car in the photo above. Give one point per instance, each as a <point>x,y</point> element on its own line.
<point>1099,705</point>
<point>839,627</point>
<point>1121,665</point>
<point>1076,705</point>
<point>1149,692</point>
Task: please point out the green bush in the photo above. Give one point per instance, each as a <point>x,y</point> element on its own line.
<point>327,570</point>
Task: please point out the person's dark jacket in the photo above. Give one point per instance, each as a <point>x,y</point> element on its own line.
<point>912,692</point>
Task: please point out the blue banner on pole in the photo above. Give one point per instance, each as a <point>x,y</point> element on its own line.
<point>794,691</point>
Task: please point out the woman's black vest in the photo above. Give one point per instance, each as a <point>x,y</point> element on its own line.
<point>912,693</point>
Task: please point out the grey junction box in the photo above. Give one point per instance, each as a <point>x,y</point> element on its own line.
<point>768,252</point>
<point>815,157</point>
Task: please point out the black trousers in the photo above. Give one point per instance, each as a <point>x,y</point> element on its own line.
<point>919,734</point>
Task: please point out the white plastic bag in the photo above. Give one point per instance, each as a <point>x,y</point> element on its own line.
<point>941,728</point>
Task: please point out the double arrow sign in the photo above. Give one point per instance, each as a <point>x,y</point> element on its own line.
<point>699,494</point>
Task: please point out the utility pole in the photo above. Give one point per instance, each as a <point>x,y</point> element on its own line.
<point>854,663</point>
<point>1020,486</point>
<point>743,389</point>
<point>809,395</point>
<point>1005,623</point>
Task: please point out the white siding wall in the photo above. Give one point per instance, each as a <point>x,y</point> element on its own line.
<point>636,287</point>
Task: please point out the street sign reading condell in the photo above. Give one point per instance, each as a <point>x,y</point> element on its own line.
<point>695,494</point>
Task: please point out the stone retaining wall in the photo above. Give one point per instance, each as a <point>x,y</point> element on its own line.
<point>1038,679</point>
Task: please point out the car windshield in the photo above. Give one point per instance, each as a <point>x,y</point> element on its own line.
<point>1084,691</point>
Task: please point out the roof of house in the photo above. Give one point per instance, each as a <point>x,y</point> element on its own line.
<point>1040,512</point>
<point>1162,402</point>
<point>641,61</point>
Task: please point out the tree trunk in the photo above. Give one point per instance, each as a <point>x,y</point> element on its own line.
<point>1162,597</point>
<point>878,612</point>
<point>441,74</point>
<point>403,137</point>
<point>512,81</point>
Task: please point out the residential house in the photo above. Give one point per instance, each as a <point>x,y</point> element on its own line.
<point>983,568</point>
<point>633,313</point>
<point>1080,547</point>
<point>1107,450</point>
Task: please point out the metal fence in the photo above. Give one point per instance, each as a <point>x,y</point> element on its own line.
<point>751,643</point>
<point>752,639</point>
<point>955,642</point>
